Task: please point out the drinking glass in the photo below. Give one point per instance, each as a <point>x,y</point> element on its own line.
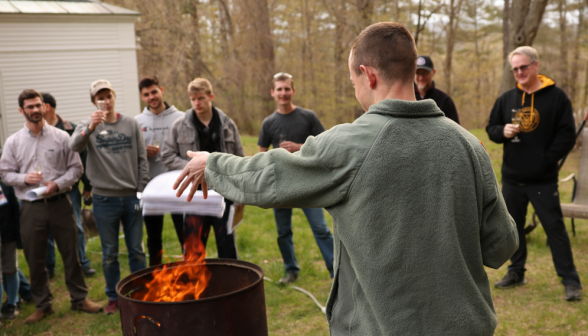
<point>516,120</point>
<point>156,143</point>
<point>101,104</point>
<point>282,137</point>
<point>38,168</point>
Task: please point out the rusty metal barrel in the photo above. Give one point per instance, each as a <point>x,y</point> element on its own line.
<point>233,303</point>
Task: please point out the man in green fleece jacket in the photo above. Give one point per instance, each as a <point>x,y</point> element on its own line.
<point>416,207</point>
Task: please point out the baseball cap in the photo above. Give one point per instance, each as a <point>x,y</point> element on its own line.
<point>100,84</point>
<point>425,62</point>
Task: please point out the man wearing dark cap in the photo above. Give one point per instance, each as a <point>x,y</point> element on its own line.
<point>53,119</point>
<point>427,90</point>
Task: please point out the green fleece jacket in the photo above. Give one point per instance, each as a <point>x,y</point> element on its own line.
<point>417,214</point>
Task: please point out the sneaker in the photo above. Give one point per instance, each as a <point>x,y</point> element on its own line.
<point>289,278</point>
<point>38,315</point>
<point>510,280</point>
<point>87,306</point>
<point>573,293</point>
<point>88,271</point>
<point>111,307</point>
<point>10,313</point>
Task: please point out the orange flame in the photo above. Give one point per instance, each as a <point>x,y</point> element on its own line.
<point>185,282</point>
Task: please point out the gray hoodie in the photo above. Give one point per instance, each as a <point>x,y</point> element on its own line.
<point>155,127</point>
<point>117,160</point>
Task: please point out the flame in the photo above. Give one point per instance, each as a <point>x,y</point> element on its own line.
<point>185,282</point>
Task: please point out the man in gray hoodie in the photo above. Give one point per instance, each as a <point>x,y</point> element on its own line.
<point>155,121</point>
<point>416,207</point>
<point>117,169</point>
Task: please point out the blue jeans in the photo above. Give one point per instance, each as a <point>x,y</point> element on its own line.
<point>322,235</point>
<point>109,212</point>
<point>76,201</point>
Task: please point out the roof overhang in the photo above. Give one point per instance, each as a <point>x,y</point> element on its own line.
<point>63,8</point>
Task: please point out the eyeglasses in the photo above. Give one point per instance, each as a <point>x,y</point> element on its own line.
<point>32,107</point>
<point>522,68</point>
<point>282,74</point>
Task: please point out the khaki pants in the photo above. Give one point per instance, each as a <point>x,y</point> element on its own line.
<point>35,219</point>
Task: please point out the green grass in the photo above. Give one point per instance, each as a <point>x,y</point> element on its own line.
<point>535,309</point>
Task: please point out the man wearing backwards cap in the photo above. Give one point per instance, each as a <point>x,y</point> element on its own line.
<point>427,90</point>
<point>117,169</point>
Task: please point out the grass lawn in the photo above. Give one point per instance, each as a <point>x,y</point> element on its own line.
<point>535,309</point>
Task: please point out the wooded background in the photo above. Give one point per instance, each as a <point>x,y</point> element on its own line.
<point>240,44</point>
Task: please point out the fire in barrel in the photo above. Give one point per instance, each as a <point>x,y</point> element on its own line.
<point>197,296</point>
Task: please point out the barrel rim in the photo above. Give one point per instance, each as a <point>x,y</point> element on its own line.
<point>216,261</point>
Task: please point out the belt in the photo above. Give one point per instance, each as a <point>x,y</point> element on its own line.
<point>51,199</point>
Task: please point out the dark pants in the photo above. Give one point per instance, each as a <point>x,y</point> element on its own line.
<point>154,226</point>
<point>76,201</point>
<point>225,243</point>
<point>545,200</point>
<point>35,221</point>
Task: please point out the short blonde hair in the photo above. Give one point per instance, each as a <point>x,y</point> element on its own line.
<point>200,85</point>
<point>530,52</point>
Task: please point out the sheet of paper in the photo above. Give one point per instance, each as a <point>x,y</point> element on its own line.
<point>235,218</point>
<point>36,193</point>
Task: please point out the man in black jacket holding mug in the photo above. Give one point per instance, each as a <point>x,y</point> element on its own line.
<point>535,123</point>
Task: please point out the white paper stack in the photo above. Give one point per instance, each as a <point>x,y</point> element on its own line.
<point>159,198</point>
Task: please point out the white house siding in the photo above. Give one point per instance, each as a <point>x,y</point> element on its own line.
<point>62,55</point>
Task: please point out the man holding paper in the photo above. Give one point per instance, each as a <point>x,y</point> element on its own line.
<point>36,155</point>
<point>416,207</point>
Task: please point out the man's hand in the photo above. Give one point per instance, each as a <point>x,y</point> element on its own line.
<point>51,187</point>
<point>33,178</point>
<point>152,150</point>
<point>96,118</point>
<point>86,194</point>
<point>510,130</point>
<point>290,146</point>
<point>193,173</point>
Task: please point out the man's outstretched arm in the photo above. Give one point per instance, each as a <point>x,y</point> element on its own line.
<point>317,176</point>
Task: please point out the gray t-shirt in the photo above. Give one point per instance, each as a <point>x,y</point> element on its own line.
<point>295,126</point>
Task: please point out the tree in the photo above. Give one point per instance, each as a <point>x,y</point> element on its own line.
<point>525,18</point>
<point>453,13</point>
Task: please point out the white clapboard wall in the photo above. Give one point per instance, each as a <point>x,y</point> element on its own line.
<point>63,54</point>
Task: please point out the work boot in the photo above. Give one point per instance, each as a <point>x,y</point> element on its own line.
<point>573,293</point>
<point>111,307</point>
<point>510,280</point>
<point>39,314</point>
<point>88,271</point>
<point>10,312</point>
<point>289,278</point>
<point>87,306</point>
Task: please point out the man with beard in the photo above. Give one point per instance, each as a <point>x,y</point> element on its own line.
<point>155,122</point>
<point>426,88</point>
<point>544,134</point>
<point>288,128</point>
<point>416,207</point>
<point>36,155</point>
